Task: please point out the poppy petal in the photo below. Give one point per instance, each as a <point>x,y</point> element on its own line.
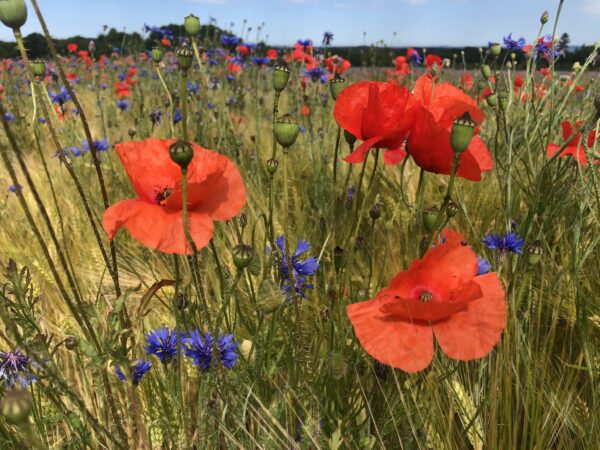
<point>473,333</point>
<point>158,227</point>
<point>394,156</point>
<point>392,341</point>
<point>360,153</point>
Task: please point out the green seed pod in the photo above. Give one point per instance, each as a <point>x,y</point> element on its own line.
<point>492,100</point>
<point>181,153</point>
<point>495,49</point>
<point>429,217</point>
<point>486,71</point>
<point>508,65</point>
<point>337,85</point>
<point>157,55</point>
<point>272,165</point>
<point>503,101</point>
<point>338,256</point>
<point>13,13</point>
<point>192,25</point>
<point>242,255</point>
<point>451,209</point>
<point>544,18</point>
<point>481,85</point>
<point>16,404</point>
<point>286,130</point>
<point>462,133</point>
<point>281,75</point>
<point>350,138</point>
<point>185,57</point>
<point>534,250</point>
<point>38,66</point>
<point>513,56</point>
<point>269,297</point>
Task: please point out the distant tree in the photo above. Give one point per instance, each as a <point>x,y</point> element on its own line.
<point>564,41</point>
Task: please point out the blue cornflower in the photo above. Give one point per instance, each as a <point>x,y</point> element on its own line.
<point>210,105</point>
<point>123,105</point>
<point>316,74</point>
<point>327,38</point>
<point>155,116</point>
<point>509,242</point>
<point>229,40</point>
<point>75,151</point>
<point>9,117</point>
<point>177,116</point>
<point>101,145</point>
<point>162,343</point>
<point>227,348</point>
<point>192,87</point>
<point>301,268</point>
<point>305,42</point>
<point>61,97</point>
<point>42,120</point>
<point>543,48</point>
<point>119,373</point>
<point>201,350</point>
<point>483,265</point>
<point>350,194</point>
<point>15,366</point>
<point>230,77</point>
<point>230,100</point>
<point>12,188</point>
<point>141,367</point>
<point>103,85</point>
<point>413,56</point>
<point>511,44</point>
<point>260,60</point>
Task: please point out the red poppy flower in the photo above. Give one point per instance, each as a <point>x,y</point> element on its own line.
<point>430,60</point>
<point>337,64</point>
<point>402,66</point>
<point>234,68</point>
<point>155,218</point>
<point>376,113</point>
<point>466,81</point>
<point>439,295</point>
<point>429,141</point>
<point>72,48</point>
<point>122,89</point>
<point>579,88</point>
<point>272,53</point>
<point>519,82</point>
<point>165,42</point>
<point>575,146</point>
<point>242,49</point>
<point>305,110</point>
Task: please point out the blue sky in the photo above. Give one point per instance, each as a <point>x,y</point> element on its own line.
<point>415,22</point>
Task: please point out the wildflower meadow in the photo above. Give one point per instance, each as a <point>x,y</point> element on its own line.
<point>209,242</point>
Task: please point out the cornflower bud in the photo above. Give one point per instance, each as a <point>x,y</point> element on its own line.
<point>534,250</point>
<point>544,18</point>
<point>272,165</point>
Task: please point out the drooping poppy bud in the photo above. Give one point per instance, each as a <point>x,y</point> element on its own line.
<point>429,217</point>
<point>338,255</point>
<point>286,130</point>
<point>272,165</point>
<point>495,49</point>
<point>242,255</point>
<point>71,343</point>
<point>462,133</point>
<point>534,250</point>
<point>281,75</point>
<point>486,71</point>
<point>451,209</point>
<point>181,153</point>
<point>243,220</point>
<point>157,55</point>
<point>38,66</point>
<point>192,25</point>
<point>185,57</point>
<point>13,13</point>
<point>492,100</point>
<point>337,85</point>
<point>375,211</point>
<point>16,404</point>
<point>544,18</point>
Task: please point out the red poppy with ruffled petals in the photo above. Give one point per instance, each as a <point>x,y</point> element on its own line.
<point>337,64</point>
<point>375,113</point>
<point>466,81</point>
<point>575,146</point>
<point>72,48</point>
<point>429,141</point>
<point>402,65</point>
<point>430,60</point>
<point>272,54</point>
<point>439,295</point>
<point>155,218</point>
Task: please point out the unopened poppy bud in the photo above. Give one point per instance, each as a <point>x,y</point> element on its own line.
<point>486,71</point>
<point>375,212</point>
<point>286,130</point>
<point>349,137</point>
<point>132,132</point>
<point>503,101</point>
<point>38,66</point>
<point>281,75</point>
<point>534,250</point>
<point>429,217</point>
<point>157,54</point>
<point>451,209</point>
<point>16,404</point>
<point>242,255</point>
<point>462,132</point>
<point>181,153</point>
<point>185,57</point>
<point>338,257</point>
<point>337,85</point>
<point>272,165</point>
<point>192,25</point>
<point>13,13</point>
<point>495,49</point>
<point>243,220</point>
<point>508,65</point>
<point>544,18</point>
<point>71,343</point>
<point>492,100</point>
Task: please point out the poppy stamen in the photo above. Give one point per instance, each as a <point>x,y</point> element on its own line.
<point>425,296</point>
<point>162,194</point>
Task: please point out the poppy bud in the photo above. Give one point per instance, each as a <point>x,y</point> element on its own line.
<point>451,209</point>
<point>181,153</point>
<point>16,404</point>
<point>350,138</point>
<point>38,66</point>
<point>185,57</point>
<point>281,75</point>
<point>242,255</point>
<point>492,100</point>
<point>429,217</point>
<point>243,220</point>
<point>486,71</point>
<point>192,25</point>
<point>71,343</point>
<point>534,250</point>
<point>338,255</point>
<point>286,130</point>
<point>508,65</point>
<point>337,85</point>
<point>495,49</point>
<point>513,56</point>
<point>272,165</point>
<point>503,100</point>
<point>132,132</point>
<point>13,13</point>
<point>157,55</point>
<point>375,212</point>
<point>462,132</point>
<point>544,18</point>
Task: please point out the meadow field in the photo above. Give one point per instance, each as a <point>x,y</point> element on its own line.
<point>218,244</point>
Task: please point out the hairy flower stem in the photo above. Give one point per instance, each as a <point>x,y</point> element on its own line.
<point>169,96</point>
<point>183,95</point>
<point>272,176</point>
<point>335,161</point>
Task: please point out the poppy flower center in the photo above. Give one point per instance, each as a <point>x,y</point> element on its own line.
<point>425,296</point>
<point>161,195</point>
